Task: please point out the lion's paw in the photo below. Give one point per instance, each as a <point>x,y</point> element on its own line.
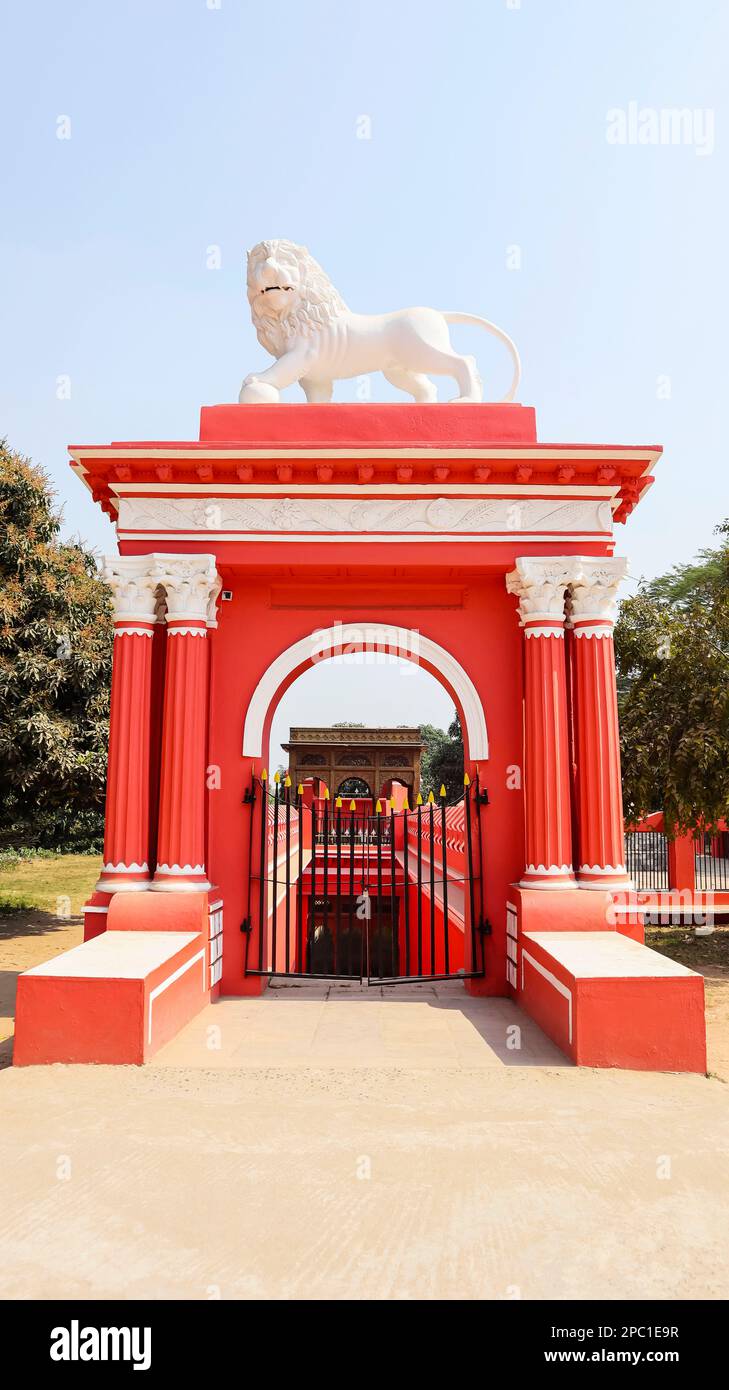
<point>254,392</point>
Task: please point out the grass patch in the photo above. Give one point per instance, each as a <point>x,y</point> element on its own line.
<point>58,884</point>
<point>698,952</point>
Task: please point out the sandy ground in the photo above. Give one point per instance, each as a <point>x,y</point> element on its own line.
<point>308,1145</point>
<point>332,1142</point>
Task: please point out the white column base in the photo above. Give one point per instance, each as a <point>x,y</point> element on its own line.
<point>176,878</point>
<point>548,876</point>
<point>603,878</point>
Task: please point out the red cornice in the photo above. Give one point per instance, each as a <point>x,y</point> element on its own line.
<point>364,446</point>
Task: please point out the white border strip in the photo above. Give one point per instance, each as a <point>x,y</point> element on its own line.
<point>552,980</point>
<point>374,489</point>
<point>367,538</point>
<point>326,643</point>
<point>459,454</point>
<point>181,970</point>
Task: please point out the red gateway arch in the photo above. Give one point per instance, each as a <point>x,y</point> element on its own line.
<point>282,536</point>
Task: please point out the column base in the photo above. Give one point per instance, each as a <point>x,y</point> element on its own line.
<point>174,878</point>
<point>608,877</point>
<point>118,878</point>
<point>548,876</point>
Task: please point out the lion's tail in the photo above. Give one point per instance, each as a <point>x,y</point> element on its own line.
<point>504,338</point>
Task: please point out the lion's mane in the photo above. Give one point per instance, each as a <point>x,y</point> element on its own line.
<point>319,302</point>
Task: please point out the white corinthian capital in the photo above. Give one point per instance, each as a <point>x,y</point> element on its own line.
<point>191,584</point>
<point>540,584</point>
<point>593,595</point>
<point>133,586</point>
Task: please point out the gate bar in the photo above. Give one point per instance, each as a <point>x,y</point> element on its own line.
<point>469,847</point>
<point>300,880</point>
<point>287,910</point>
<point>262,866</point>
<point>432,884</point>
<point>406,884</point>
<point>446,951</point>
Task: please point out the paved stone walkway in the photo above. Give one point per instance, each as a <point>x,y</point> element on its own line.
<point>317,1024</point>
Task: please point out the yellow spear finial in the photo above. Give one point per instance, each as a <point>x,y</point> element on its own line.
<point>287,780</point>
<point>300,789</point>
<point>442,789</point>
<point>392,803</point>
<point>353,805</point>
<point>466,780</point>
<point>405,805</point>
<point>264,775</point>
<point>326,793</point>
<point>338,803</point>
<point>431,799</point>
<point>378,808</point>
<point>277,776</point>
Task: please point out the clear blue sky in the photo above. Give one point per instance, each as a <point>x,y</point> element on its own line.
<point>194,126</point>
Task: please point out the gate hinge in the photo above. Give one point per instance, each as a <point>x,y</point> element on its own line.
<point>246,925</point>
<point>482,797</point>
<point>485,927</point>
<point>249,796</point>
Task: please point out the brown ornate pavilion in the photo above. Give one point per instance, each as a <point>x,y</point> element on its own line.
<point>342,758</point>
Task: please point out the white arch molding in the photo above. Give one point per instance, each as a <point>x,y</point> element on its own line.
<point>325,643</point>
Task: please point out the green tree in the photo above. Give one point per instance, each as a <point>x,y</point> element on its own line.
<point>442,762</point>
<point>672,654</point>
<point>55,668</point>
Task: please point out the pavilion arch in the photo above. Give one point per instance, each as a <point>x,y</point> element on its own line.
<point>344,790</point>
<point>344,638</point>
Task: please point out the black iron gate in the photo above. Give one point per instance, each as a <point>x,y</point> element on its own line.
<point>375,894</point>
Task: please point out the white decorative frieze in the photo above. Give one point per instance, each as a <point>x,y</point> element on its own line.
<point>125,868</point>
<point>549,870</point>
<point>177,870</point>
<point>352,516</point>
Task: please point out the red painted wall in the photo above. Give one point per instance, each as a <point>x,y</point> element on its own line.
<point>482,634</point>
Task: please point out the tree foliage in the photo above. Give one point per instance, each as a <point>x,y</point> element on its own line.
<point>672,654</point>
<point>55,669</point>
<point>442,761</point>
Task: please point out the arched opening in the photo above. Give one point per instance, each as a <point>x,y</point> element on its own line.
<point>361,877</point>
<point>354,787</point>
<point>372,644</point>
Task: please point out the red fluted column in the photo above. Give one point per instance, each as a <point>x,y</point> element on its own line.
<point>540,585</point>
<point>126,829</point>
<point>597,743</point>
<point>191,585</point>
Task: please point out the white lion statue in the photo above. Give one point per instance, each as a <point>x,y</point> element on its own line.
<point>304,323</point>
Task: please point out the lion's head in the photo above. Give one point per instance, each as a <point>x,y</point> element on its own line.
<point>289,294</point>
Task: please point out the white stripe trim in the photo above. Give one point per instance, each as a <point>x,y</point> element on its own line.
<point>329,642</point>
<point>181,970</point>
<point>552,980</point>
<point>460,454</point>
<point>367,538</point>
<point>359,491</point>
